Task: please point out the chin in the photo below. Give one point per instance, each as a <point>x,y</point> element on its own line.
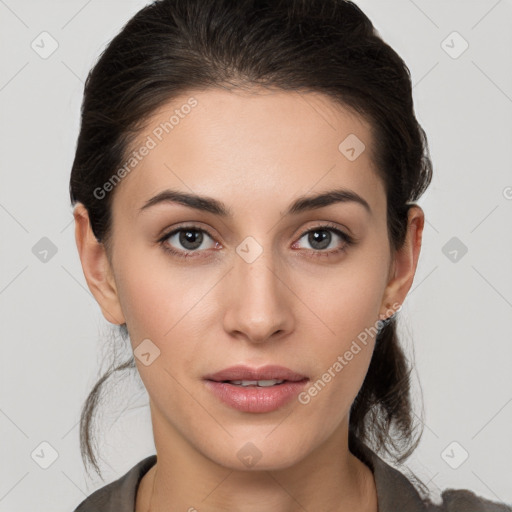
<point>259,453</point>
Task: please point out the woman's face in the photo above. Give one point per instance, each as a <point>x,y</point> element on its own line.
<point>251,287</point>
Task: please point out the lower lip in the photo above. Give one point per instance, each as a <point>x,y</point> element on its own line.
<point>255,398</point>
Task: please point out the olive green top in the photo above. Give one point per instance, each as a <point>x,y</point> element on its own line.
<point>395,492</point>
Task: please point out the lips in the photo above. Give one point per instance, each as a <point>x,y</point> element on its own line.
<point>269,372</point>
<point>256,390</point>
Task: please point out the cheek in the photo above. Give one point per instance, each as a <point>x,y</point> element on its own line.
<point>342,355</point>
<point>155,297</point>
<point>173,306</point>
<point>163,306</point>
<point>348,299</point>
<point>347,305</point>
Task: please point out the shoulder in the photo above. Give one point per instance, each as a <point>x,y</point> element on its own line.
<point>464,500</point>
<point>119,495</point>
<point>397,491</point>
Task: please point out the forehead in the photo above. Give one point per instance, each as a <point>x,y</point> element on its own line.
<point>250,146</point>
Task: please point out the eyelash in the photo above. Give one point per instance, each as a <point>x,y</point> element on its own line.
<point>348,240</point>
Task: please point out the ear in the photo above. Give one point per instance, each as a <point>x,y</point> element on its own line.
<point>404,263</point>
<point>96,267</point>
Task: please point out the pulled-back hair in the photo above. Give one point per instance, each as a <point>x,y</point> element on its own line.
<point>171,47</point>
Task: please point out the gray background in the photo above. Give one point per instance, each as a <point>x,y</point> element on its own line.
<point>455,321</point>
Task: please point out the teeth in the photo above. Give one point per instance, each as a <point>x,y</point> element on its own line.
<point>261,383</point>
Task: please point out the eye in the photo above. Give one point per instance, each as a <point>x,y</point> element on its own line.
<point>189,239</point>
<point>322,241</point>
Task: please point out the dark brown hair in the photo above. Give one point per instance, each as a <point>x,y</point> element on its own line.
<point>171,47</point>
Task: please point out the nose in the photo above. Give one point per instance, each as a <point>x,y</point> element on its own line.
<point>259,303</point>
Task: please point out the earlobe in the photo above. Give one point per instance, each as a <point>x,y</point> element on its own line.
<point>405,261</point>
<point>96,267</point>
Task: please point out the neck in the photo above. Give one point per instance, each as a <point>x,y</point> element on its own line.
<point>321,481</point>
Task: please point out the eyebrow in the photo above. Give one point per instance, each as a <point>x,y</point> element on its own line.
<point>301,204</point>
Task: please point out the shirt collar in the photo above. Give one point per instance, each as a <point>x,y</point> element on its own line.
<point>394,490</point>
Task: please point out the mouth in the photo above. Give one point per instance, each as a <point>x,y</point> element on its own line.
<point>269,383</point>
<point>266,376</point>
<point>252,390</point>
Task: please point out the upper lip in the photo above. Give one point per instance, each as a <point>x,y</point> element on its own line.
<point>268,372</point>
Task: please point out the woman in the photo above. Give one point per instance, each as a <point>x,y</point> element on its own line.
<point>245,183</point>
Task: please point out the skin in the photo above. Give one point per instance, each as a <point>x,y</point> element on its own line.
<point>256,151</point>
